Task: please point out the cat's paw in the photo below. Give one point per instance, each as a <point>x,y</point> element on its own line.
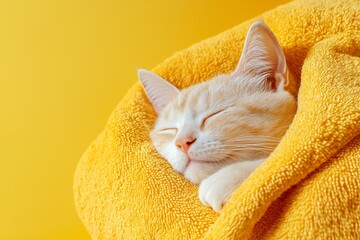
<point>216,190</point>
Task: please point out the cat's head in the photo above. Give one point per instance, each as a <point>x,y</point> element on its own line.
<point>232,117</point>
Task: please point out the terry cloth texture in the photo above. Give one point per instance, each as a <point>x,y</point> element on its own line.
<point>309,187</point>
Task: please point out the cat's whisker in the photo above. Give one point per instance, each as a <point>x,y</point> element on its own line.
<point>257,139</point>
<point>245,146</point>
<point>264,141</point>
<point>236,156</point>
<point>249,146</point>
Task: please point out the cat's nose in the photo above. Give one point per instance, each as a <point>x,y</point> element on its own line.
<point>184,143</point>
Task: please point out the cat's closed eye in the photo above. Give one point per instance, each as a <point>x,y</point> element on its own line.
<point>168,130</point>
<point>208,117</point>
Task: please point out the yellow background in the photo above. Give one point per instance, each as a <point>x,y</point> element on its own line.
<point>64,65</point>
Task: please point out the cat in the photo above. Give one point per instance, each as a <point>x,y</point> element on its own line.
<point>216,133</point>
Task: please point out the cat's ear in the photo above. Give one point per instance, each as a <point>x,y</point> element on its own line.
<point>159,91</point>
<point>262,57</point>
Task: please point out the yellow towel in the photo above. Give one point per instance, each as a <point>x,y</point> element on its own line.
<point>309,188</point>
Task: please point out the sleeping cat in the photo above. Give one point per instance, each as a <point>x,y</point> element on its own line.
<point>216,133</point>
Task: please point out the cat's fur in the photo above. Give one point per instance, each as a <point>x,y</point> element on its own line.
<point>218,132</point>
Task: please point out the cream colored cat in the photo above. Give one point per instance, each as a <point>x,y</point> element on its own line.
<point>218,132</point>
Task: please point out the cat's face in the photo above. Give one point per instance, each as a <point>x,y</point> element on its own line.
<point>230,118</point>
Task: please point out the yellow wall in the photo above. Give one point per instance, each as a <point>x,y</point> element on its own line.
<point>64,65</point>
